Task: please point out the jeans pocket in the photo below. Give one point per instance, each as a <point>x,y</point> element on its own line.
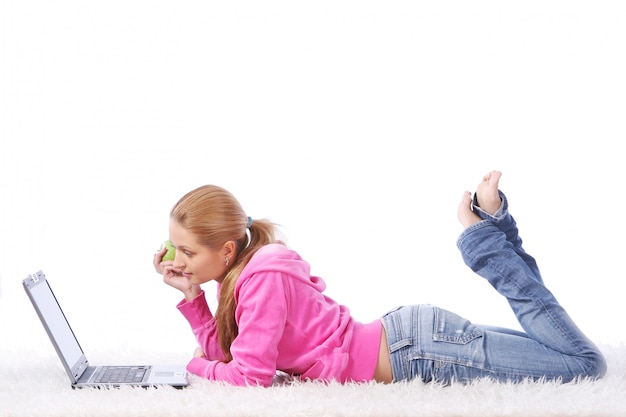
<point>452,328</point>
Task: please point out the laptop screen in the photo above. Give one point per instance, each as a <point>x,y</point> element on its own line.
<point>53,319</point>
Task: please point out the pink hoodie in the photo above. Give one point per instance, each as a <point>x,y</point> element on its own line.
<point>285,323</point>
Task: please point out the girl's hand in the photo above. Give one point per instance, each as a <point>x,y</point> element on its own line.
<point>198,353</point>
<point>173,276</point>
<point>158,257</point>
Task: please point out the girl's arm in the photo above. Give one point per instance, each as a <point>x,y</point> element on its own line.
<point>261,315</point>
<point>203,325</point>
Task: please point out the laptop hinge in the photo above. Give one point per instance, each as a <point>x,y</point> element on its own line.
<point>80,367</point>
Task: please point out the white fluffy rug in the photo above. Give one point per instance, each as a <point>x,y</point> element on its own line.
<point>33,384</point>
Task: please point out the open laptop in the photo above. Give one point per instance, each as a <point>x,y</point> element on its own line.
<point>71,354</point>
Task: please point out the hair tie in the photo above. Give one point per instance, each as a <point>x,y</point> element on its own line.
<point>248,234</point>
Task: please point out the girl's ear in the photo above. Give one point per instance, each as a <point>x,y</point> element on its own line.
<point>230,250</point>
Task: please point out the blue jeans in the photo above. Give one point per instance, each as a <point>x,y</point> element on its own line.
<point>434,344</point>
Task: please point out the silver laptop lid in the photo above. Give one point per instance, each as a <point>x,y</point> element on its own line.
<point>56,325</point>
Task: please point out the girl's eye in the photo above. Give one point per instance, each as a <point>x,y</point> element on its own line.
<point>187,253</point>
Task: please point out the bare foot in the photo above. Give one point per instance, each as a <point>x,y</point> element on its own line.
<point>465,214</point>
<point>487,192</point>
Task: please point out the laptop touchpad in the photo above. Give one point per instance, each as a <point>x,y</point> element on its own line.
<point>163,374</point>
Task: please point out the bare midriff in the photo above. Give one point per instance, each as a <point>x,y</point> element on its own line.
<point>383,366</point>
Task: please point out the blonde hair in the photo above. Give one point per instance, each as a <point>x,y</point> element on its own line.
<point>214,216</point>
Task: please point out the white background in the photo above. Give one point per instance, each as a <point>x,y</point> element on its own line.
<point>355,125</point>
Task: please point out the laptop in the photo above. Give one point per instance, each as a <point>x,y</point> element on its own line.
<point>74,360</point>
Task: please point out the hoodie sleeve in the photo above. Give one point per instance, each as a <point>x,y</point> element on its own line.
<point>261,315</point>
<point>203,325</point>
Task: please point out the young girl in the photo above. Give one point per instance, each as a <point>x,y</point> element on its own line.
<point>273,316</point>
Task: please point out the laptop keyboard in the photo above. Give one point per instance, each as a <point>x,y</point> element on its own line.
<point>120,374</point>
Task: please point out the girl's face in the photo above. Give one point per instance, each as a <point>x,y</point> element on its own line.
<point>197,262</point>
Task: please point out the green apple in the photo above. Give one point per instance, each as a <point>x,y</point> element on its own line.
<point>171,251</point>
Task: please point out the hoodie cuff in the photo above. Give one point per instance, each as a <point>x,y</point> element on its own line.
<point>196,311</point>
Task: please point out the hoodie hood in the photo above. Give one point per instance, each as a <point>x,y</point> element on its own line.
<point>276,257</point>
